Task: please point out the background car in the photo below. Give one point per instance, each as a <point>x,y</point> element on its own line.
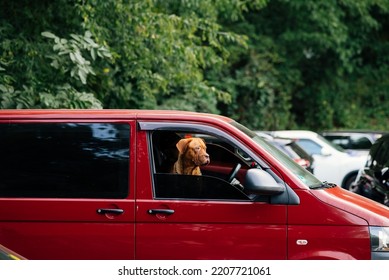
<point>332,163</point>
<point>373,180</point>
<point>292,149</point>
<point>353,140</point>
<point>295,151</point>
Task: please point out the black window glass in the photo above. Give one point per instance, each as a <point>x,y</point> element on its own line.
<point>343,141</point>
<point>65,160</point>
<point>360,143</point>
<point>195,187</point>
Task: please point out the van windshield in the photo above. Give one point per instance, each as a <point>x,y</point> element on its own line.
<point>306,177</point>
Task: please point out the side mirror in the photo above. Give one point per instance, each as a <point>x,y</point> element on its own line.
<point>262,183</point>
<point>325,152</point>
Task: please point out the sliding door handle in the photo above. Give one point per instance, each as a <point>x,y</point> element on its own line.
<point>110,211</point>
<point>160,211</point>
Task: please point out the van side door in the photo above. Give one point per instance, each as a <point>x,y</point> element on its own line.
<point>66,188</point>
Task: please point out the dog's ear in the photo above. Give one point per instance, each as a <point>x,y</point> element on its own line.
<point>183,144</point>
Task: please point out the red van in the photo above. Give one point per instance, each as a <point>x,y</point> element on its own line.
<point>98,184</point>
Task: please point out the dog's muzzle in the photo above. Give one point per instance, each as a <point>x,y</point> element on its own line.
<point>202,159</point>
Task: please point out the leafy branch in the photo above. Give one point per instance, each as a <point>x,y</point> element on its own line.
<point>74,55</point>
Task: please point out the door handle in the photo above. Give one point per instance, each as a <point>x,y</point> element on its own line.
<point>109,211</point>
<point>160,211</point>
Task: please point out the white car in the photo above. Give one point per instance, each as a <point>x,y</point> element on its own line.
<point>332,164</point>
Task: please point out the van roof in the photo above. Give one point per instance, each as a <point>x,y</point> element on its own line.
<point>107,114</point>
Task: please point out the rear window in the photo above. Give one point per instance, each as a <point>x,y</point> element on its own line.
<point>64,160</point>
<point>357,142</point>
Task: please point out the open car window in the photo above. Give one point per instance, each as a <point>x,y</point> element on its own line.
<point>214,181</point>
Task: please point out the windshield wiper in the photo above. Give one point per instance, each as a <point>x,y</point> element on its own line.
<point>323,185</point>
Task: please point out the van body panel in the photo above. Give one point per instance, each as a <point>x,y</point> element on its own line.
<point>211,230</point>
<point>66,210</point>
<point>313,211</point>
<point>326,242</point>
<point>70,241</point>
<point>374,213</point>
<point>143,176</point>
<point>210,241</point>
<point>68,229</point>
<point>317,230</point>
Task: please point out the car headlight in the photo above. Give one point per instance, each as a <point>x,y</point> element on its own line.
<point>379,239</point>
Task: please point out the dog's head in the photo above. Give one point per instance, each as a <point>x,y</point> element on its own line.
<point>194,150</point>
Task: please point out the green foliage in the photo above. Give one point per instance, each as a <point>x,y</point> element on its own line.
<point>162,49</point>
<point>81,50</point>
<point>316,64</point>
<point>27,79</point>
<point>324,48</point>
<point>63,97</point>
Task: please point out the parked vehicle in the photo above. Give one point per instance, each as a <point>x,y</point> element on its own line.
<point>353,140</point>
<point>98,184</point>
<point>373,180</point>
<point>292,149</point>
<point>332,164</point>
<point>7,254</point>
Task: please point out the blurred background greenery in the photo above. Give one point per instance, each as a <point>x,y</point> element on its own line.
<point>270,64</point>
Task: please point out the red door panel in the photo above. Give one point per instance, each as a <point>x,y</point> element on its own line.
<point>67,228</point>
<point>210,230</point>
<point>328,242</point>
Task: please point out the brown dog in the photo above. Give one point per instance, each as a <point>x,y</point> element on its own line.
<point>192,155</point>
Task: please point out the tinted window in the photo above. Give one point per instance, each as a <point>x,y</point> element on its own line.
<point>72,160</point>
<point>352,141</point>
<point>310,146</point>
<point>195,187</point>
<point>360,143</point>
<point>342,141</point>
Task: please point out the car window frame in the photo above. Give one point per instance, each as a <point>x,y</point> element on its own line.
<point>197,129</point>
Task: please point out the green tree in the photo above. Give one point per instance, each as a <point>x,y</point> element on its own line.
<point>329,50</point>
<point>162,50</point>
<point>269,64</point>
<point>114,54</point>
<point>40,73</point>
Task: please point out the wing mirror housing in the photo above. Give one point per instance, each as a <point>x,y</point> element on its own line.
<point>260,182</point>
<point>325,152</point>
